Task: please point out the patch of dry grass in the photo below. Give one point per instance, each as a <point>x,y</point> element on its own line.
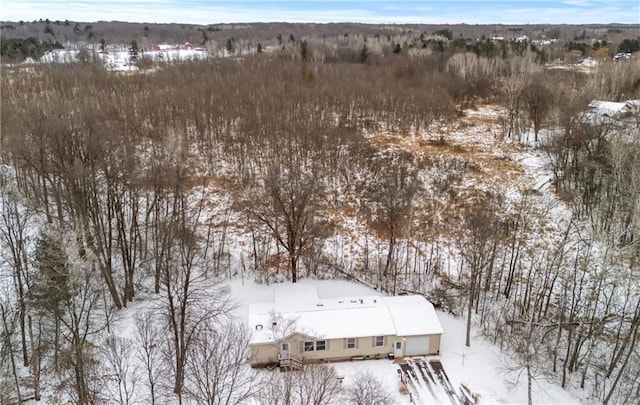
<point>480,160</point>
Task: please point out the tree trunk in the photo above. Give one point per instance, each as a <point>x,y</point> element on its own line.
<point>56,343</point>
<point>626,360</point>
<point>23,327</point>
<point>10,349</point>
<point>35,358</point>
<point>529,378</point>
<point>387,266</point>
<point>177,387</point>
<point>293,262</point>
<point>81,384</point>
<point>469,311</point>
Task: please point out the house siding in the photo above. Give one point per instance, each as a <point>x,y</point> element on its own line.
<point>267,354</point>
<point>434,343</point>
<point>337,350</point>
<point>263,355</point>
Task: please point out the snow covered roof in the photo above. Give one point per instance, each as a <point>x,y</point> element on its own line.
<point>413,315</point>
<point>299,306</point>
<point>632,104</point>
<point>610,112</point>
<point>286,295</point>
<point>607,108</point>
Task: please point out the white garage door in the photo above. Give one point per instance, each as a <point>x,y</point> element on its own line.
<point>415,346</point>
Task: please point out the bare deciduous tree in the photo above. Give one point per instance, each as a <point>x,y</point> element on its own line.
<point>316,384</point>
<point>15,218</point>
<point>217,370</point>
<point>393,195</point>
<point>149,351</point>
<point>478,249</point>
<point>189,305</point>
<point>122,370</point>
<point>367,389</point>
<point>288,210</point>
<point>528,356</point>
<point>82,318</point>
<point>10,388</point>
<point>539,102</point>
<point>513,102</point>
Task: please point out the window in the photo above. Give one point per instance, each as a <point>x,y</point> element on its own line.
<point>379,341</point>
<point>351,343</point>
<point>399,345</point>
<point>319,345</point>
<point>285,347</point>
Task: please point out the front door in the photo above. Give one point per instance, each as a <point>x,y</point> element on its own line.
<point>284,350</point>
<point>397,349</point>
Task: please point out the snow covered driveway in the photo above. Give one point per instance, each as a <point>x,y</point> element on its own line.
<point>427,382</point>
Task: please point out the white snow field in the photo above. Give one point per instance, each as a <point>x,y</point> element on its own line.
<point>121,60</point>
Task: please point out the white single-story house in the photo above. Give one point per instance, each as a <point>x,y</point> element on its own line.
<point>300,327</point>
<point>600,110</point>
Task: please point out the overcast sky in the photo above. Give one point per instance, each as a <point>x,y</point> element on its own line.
<point>372,11</point>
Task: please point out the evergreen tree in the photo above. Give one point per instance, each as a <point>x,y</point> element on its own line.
<point>364,54</point>
<point>133,50</point>
<point>205,37</point>
<point>51,291</point>
<point>304,49</point>
<point>18,49</point>
<point>231,45</point>
<point>51,287</point>
<point>629,45</point>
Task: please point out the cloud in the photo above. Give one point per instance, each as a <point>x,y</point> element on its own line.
<point>427,12</point>
<point>577,3</point>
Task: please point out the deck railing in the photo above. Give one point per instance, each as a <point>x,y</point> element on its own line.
<point>290,363</point>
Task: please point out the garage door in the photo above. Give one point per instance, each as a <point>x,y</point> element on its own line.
<point>416,346</point>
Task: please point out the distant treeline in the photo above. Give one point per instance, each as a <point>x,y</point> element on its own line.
<point>19,49</point>
<point>344,42</point>
<point>247,36</point>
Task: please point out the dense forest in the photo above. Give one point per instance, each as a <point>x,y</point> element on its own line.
<point>28,39</point>
<point>289,164</point>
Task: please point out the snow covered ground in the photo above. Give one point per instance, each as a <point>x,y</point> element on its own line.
<point>481,367</point>
<point>121,60</point>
